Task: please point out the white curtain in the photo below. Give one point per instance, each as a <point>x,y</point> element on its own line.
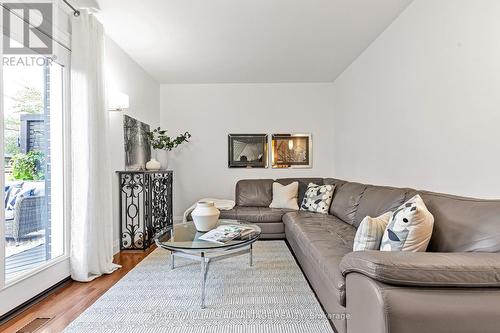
<point>91,218</point>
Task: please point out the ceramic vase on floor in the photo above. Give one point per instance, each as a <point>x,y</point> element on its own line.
<point>205,216</point>
<point>162,157</point>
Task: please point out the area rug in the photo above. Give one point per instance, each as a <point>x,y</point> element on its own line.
<point>270,297</point>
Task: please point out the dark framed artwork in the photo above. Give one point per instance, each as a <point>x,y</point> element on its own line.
<point>137,146</point>
<point>291,151</point>
<point>247,150</point>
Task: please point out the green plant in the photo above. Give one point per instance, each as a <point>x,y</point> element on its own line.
<point>28,166</point>
<point>160,140</point>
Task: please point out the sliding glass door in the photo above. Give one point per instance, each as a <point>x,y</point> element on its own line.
<point>34,118</point>
<point>33,100</point>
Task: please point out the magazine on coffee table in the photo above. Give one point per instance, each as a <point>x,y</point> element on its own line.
<point>226,233</point>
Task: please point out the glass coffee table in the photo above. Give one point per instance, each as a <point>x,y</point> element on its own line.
<point>182,240</point>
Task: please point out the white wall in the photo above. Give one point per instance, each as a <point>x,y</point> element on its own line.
<point>421,107</point>
<point>212,111</point>
<point>144,92</point>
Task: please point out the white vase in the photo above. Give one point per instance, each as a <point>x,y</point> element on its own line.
<point>153,164</point>
<point>205,216</point>
<point>162,157</point>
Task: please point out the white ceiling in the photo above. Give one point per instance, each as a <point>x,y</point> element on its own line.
<point>219,41</point>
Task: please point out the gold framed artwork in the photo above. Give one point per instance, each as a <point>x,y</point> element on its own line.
<point>291,151</point>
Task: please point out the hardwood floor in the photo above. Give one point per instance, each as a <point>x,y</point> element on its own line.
<point>69,300</point>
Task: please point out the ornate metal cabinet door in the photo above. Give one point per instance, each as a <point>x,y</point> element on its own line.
<point>145,206</point>
<point>160,185</point>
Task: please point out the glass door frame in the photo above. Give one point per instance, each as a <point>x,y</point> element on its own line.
<point>27,286</point>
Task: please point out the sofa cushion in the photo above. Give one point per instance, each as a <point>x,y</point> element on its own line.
<point>377,200</point>
<point>231,214</point>
<point>332,181</point>
<point>316,226</point>
<point>254,214</point>
<point>325,239</point>
<point>346,200</point>
<point>268,219</point>
<point>463,224</point>
<point>303,183</point>
<point>254,192</point>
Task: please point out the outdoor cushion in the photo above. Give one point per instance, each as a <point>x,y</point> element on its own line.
<point>17,194</point>
<point>7,190</point>
<point>9,215</point>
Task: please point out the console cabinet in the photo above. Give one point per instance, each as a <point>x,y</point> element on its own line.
<point>145,206</point>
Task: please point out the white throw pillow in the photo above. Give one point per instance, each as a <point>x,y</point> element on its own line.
<point>409,228</point>
<point>285,196</point>
<point>370,232</point>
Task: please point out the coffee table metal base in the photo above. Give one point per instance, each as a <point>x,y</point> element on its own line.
<point>205,261</point>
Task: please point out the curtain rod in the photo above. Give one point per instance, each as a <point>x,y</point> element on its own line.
<point>76,12</point>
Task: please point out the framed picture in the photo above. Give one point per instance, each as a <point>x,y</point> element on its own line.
<point>137,146</point>
<point>291,151</point>
<point>247,150</point>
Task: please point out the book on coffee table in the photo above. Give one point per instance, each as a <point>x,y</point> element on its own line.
<point>226,233</point>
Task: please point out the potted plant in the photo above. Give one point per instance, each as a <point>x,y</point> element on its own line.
<point>162,144</point>
<point>29,166</point>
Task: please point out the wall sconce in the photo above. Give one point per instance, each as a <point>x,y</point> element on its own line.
<point>118,102</point>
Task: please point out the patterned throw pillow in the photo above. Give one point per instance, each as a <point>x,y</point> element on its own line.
<point>409,228</point>
<point>17,194</point>
<point>317,198</point>
<point>6,192</point>
<point>370,232</point>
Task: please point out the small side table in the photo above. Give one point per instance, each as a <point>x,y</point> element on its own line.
<point>145,206</point>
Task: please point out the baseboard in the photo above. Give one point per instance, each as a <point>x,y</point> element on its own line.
<point>178,219</point>
<point>32,301</point>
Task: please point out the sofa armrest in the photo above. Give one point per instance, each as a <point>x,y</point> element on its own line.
<point>426,268</point>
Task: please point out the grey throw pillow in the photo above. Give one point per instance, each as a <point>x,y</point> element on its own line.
<point>317,198</point>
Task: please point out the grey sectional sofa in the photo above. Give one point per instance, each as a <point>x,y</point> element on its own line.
<point>454,287</point>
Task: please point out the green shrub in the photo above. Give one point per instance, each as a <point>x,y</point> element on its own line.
<point>28,166</point>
